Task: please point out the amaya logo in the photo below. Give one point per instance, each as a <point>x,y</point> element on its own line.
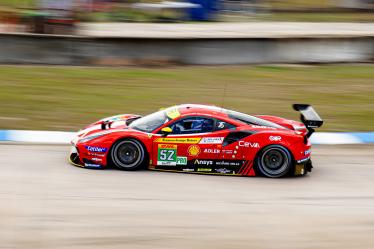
<point>95,149</point>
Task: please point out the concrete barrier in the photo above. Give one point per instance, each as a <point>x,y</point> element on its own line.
<point>79,50</point>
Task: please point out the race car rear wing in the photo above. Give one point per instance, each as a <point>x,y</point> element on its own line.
<point>309,117</point>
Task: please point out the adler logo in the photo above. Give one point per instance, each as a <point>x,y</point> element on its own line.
<point>212,151</point>
<point>203,162</point>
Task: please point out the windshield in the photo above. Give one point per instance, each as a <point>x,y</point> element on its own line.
<point>150,122</point>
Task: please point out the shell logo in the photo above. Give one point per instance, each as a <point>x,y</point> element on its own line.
<point>194,150</point>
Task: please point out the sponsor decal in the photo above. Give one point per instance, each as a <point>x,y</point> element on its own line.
<point>221,163</point>
<point>275,138</point>
<point>303,160</point>
<point>181,160</point>
<point>211,140</point>
<point>188,140</point>
<point>229,152</point>
<point>194,150</point>
<point>91,165</point>
<point>212,151</point>
<point>188,170</point>
<point>204,170</point>
<point>167,146</point>
<point>95,149</point>
<point>97,159</point>
<point>223,170</point>
<point>96,154</point>
<point>229,163</point>
<point>221,125</point>
<point>307,152</point>
<point>167,155</point>
<point>173,113</point>
<point>203,162</point>
<point>249,144</point>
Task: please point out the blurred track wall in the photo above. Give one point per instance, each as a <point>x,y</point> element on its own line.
<point>74,50</point>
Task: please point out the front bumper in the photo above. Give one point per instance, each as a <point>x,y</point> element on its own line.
<point>75,160</point>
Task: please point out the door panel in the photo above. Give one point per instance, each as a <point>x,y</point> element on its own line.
<point>197,152</point>
<point>179,152</point>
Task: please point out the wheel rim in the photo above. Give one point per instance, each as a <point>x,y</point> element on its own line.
<point>127,154</point>
<point>274,161</point>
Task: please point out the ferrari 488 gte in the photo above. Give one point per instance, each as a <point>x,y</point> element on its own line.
<point>200,139</point>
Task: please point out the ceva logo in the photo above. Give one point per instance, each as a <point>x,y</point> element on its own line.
<point>96,149</point>
<point>249,144</point>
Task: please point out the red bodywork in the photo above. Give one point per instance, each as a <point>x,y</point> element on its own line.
<point>201,150</point>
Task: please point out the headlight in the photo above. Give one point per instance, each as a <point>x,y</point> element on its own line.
<point>89,138</point>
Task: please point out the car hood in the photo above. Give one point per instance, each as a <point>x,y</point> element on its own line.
<point>106,125</point>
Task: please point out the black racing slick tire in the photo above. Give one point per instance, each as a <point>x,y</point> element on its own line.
<point>274,161</point>
<point>128,154</point>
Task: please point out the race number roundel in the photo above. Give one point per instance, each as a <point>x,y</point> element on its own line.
<point>167,155</point>
<point>194,150</point>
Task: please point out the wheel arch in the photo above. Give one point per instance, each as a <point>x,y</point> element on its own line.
<point>119,139</point>
<point>284,145</point>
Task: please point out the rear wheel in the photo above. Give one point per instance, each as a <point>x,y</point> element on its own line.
<point>274,161</point>
<point>128,154</point>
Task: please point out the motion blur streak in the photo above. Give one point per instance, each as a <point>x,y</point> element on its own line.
<point>45,203</point>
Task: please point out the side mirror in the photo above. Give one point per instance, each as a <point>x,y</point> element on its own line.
<point>166,131</point>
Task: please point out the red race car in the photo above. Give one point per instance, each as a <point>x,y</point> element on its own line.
<point>200,139</point>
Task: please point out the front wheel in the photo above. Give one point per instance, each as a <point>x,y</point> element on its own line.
<point>274,161</point>
<point>128,154</point>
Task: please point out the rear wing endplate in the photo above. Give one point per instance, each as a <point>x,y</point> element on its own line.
<point>309,117</point>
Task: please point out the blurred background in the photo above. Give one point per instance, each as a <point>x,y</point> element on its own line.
<point>48,16</point>
<point>67,63</point>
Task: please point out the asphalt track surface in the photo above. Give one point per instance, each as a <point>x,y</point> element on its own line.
<point>47,203</point>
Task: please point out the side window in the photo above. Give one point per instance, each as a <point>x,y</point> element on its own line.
<point>222,125</point>
<point>193,125</point>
